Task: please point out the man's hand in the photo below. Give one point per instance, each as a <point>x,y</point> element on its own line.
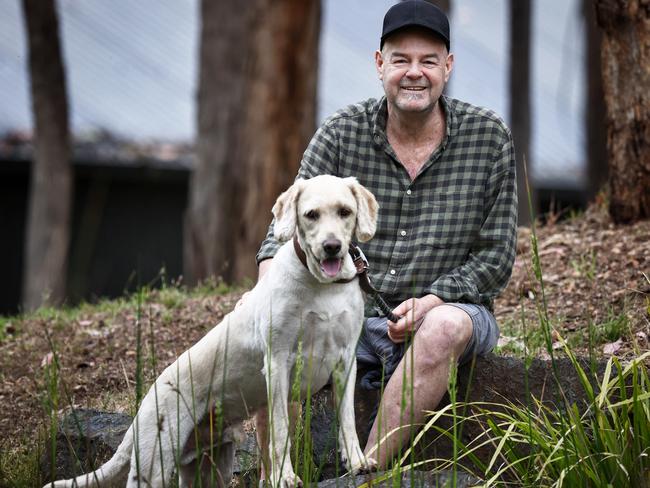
<point>412,312</point>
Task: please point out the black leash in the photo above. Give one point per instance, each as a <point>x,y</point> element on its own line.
<point>362,265</point>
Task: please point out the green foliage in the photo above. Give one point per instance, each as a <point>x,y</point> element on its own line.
<point>4,323</point>
<point>172,295</point>
<point>615,327</point>
<point>607,445</point>
<point>586,266</point>
<point>19,468</point>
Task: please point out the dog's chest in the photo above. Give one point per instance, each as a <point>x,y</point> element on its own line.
<point>327,341</point>
<point>327,332</point>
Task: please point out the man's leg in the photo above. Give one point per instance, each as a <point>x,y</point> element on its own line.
<point>442,338</point>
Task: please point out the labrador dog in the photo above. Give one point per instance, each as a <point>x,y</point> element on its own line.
<point>190,419</point>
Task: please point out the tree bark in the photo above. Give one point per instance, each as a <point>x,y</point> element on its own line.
<point>50,192</point>
<point>520,111</point>
<point>626,82</point>
<point>596,137</point>
<point>256,114</point>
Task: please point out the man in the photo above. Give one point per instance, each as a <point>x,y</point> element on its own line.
<point>443,172</point>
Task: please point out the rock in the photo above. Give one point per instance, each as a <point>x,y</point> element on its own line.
<point>86,438</point>
<point>246,456</point>
<point>492,379</point>
<point>414,478</point>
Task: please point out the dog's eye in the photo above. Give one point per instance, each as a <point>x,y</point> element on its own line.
<point>312,215</point>
<point>344,212</point>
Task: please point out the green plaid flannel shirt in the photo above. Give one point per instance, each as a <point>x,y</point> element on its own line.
<point>452,230</point>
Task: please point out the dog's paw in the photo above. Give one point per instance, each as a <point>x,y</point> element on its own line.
<point>368,465</point>
<point>287,480</point>
<point>358,462</point>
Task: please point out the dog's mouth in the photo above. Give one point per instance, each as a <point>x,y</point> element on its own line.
<point>331,266</point>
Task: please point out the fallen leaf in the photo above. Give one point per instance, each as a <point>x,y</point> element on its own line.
<point>505,340</point>
<point>612,347</point>
<point>47,359</point>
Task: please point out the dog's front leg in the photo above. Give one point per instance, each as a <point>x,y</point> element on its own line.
<point>351,452</point>
<point>277,372</point>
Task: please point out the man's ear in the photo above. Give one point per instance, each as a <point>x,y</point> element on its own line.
<point>284,212</point>
<point>367,209</point>
<point>449,66</point>
<point>379,63</point>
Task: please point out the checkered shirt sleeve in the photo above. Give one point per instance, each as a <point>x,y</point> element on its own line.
<point>450,231</point>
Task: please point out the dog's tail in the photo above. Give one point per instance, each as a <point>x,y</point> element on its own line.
<point>112,473</point>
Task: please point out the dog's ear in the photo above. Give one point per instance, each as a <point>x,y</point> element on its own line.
<point>284,212</point>
<point>367,209</point>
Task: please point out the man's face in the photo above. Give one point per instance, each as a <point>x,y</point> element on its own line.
<point>414,67</point>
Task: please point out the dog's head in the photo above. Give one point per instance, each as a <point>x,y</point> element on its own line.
<point>326,212</point>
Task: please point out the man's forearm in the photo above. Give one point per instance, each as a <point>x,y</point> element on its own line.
<point>263,267</point>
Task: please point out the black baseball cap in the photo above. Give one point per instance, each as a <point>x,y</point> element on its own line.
<point>415,13</point>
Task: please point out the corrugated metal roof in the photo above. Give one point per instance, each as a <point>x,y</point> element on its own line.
<point>132,69</point>
<point>131,66</point>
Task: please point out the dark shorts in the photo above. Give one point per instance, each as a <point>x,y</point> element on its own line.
<point>376,351</point>
<point>485,333</point>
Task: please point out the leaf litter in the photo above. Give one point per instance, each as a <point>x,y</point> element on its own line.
<point>594,271</point>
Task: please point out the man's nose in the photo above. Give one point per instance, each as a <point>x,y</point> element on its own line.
<point>414,71</point>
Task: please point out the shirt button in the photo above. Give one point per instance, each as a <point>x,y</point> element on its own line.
<point>403,233</point>
<point>408,192</point>
<point>392,271</point>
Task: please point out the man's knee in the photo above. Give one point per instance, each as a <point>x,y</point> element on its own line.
<point>446,328</point>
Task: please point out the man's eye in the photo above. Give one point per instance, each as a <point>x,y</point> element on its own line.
<point>312,215</point>
<point>344,212</point>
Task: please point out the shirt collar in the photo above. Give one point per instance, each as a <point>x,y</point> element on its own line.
<point>381,116</point>
<point>379,122</point>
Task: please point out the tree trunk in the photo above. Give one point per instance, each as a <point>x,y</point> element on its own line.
<point>596,138</point>
<point>50,192</point>
<point>626,82</point>
<point>256,114</point>
<point>520,113</point>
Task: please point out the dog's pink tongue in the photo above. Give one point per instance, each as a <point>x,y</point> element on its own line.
<point>331,266</point>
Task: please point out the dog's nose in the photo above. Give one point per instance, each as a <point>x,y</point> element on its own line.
<point>332,247</point>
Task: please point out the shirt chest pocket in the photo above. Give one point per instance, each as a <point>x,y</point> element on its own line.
<point>452,219</point>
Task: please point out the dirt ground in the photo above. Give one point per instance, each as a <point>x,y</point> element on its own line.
<point>593,272</point>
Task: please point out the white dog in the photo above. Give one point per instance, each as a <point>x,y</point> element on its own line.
<point>189,419</point>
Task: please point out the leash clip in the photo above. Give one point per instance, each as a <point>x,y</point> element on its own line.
<point>361,263</point>
<point>359,259</point>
